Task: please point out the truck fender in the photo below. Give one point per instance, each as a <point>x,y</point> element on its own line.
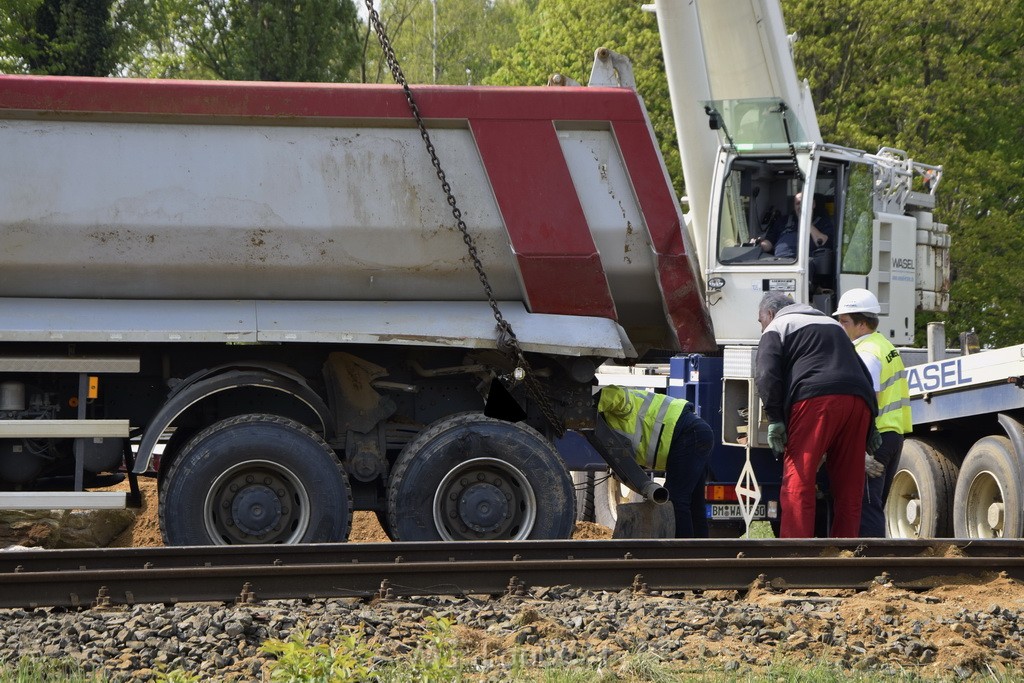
<point>208,382</point>
<point>1015,431</point>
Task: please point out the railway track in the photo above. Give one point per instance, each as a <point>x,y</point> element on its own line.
<point>118,576</point>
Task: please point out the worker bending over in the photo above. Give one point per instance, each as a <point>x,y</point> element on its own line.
<point>665,434</point>
<point>858,314</point>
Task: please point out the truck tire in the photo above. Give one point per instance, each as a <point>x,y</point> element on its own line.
<point>470,477</point>
<point>583,482</point>
<point>255,479</point>
<point>921,495</point>
<point>382,521</point>
<point>609,493</point>
<point>989,492</point>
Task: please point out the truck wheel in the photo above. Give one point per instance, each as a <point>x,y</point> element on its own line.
<point>382,521</point>
<point>255,479</point>
<point>583,482</point>
<point>470,477</point>
<point>609,494</point>
<point>989,492</point>
<point>921,494</point>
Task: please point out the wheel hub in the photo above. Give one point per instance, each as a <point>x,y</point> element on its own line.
<point>256,510</point>
<point>913,511</point>
<point>995,516</point>
<point>484,499</point>
<point>483,507</point>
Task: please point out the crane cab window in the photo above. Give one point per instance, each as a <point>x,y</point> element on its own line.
<point>757,213</point>
<point>858,218</point>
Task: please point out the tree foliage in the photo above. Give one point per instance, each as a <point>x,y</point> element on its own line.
<point>941,81</point>
<point>57,37</point>
<point>296,40</point>
<point>268,40</point>
<point>273,40</point>
<point>443,41</point>
<point>17,32</point>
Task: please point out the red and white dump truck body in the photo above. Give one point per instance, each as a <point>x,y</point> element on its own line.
<point>265,282</point>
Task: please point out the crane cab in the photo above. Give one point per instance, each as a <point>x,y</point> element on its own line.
<point>812,220</point>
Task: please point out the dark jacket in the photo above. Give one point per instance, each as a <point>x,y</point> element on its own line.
<point>783,233</point>
<point>803,354</point>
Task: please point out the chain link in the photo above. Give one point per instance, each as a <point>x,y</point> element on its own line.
<point>507,341</point>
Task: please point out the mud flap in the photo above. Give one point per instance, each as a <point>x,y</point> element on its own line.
<point>644,520</point>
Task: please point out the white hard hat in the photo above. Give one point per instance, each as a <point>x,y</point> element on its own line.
<point>858,301</point>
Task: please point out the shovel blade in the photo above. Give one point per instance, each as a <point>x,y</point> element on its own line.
<point>644,520</point>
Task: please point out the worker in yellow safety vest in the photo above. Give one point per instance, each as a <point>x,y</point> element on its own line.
<point>858,311</point>
<point>667,435</point>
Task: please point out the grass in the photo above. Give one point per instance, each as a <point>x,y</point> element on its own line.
<point>312,663</point>
<point>760,530</point>
<point>44,670</point>
<point>438,660</point>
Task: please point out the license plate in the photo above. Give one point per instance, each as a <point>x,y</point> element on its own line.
<point>732,511</point>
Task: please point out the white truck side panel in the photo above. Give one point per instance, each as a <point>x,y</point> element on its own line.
<point>224,212</point>
<point>616,223</point>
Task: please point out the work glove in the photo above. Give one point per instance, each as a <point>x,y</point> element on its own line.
<point>874,440</point>
<point>777,437</point>
<point>873,468</point>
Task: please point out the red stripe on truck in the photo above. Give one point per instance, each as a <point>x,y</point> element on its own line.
<point>558,260</point>
<point>126,96</point>
<point>679,282</point>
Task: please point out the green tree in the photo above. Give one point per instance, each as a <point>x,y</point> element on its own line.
<point>150,43</point>
<point>17,19</point>
<point>304,40</point>
<point>57,37</point>
<point>940,81</point>
<point>269,40</point>
<point>445,41</point>
<point>560,36</point>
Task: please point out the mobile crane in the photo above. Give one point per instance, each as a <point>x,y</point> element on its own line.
<point>749,142</point>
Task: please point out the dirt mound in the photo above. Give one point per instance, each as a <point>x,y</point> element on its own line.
<point>145,530</point>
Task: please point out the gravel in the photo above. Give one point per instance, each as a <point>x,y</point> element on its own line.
<point>959,630</point>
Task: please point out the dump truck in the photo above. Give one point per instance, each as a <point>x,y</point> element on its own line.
<point>257,292</point>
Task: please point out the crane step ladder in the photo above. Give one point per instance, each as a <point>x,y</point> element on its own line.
<point>82,429</point>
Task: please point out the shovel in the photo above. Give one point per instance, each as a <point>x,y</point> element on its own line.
<point>651,518</point>
<point>647,519</point>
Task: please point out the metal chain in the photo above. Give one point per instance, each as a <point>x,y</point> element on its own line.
<point>507,340</point>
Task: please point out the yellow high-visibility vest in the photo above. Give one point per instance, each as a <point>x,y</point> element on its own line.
<point>647,419</point>
<point>894,414</point>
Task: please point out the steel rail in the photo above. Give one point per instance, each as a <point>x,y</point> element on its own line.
<point>338,553</point>
<point>249,583</point>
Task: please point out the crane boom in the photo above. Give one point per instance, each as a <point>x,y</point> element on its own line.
<point>724,50</point>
